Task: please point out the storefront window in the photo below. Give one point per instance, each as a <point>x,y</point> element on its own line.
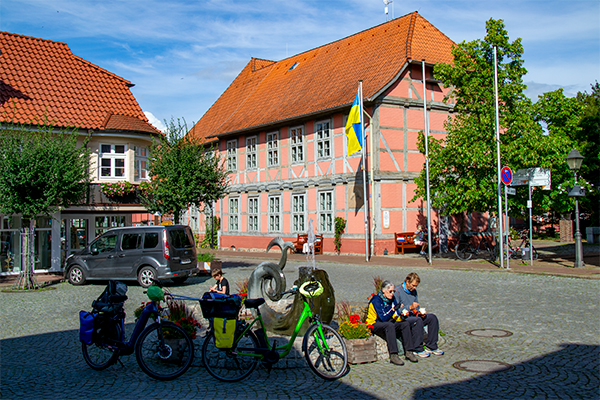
<point>106,222</point>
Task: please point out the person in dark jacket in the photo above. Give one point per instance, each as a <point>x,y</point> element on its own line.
<point>383,317</point>
<point>417,317</point>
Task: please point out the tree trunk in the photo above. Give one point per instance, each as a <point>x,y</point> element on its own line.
<point>27,279</point>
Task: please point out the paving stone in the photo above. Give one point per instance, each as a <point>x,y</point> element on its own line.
<point>555,346</point>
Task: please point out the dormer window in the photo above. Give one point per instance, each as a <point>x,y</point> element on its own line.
<point>294,65</point>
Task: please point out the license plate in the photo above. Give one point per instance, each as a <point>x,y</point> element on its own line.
<point>186,261</point>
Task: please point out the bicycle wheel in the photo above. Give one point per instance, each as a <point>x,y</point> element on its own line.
<point>169,359</point>
<point>534,253</point>
<point>329,363</point>
<point>228,365</point>
<point>463,251</point>
<point>493,252</point>
<point>103,351</point>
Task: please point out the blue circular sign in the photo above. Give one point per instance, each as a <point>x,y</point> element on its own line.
<point>506,175</point>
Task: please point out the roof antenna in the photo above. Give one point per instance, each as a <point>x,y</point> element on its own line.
<point>386,2</point>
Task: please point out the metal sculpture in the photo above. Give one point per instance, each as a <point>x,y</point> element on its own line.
<point>268,281</point>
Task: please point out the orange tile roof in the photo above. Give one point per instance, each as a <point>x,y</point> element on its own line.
<point>325,78</point>
<point>41,80</point>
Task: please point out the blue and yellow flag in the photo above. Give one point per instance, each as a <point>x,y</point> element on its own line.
<point>354,127</point>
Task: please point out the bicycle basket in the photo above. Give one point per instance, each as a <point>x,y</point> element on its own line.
<point>216,305</point>
<point>112,298</point>
<point>311,289</point>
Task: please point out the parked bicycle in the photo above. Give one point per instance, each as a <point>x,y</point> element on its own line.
<point>522,251</point>
<point>163,350</point>
<point>475,244</point>
<point>323,347</point>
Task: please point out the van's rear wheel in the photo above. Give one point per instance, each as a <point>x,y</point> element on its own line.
<point>146,276</point>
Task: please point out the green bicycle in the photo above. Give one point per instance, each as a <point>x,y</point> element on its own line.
<point>323,347</point>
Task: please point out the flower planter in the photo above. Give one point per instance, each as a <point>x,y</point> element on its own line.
<point>361,350</point>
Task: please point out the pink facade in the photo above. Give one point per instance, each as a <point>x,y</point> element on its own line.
<point>324,185</point>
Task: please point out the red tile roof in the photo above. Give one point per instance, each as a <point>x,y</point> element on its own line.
<point>325,78</point>
<point>41,80</point>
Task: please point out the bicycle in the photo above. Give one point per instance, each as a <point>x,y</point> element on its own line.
<point>323,347</point>
<point>521,251</point>
<point>465,249</point>
<point>163,350</point>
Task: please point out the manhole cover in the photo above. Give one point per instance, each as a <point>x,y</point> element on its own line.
<point>488,332</point>
<point>482,366</point>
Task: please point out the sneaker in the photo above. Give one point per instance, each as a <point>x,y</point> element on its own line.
<point>422,253</point>
<point>410,356</point>
<point>394,359</point>
<point>423,354</point>
<point>436,352</point>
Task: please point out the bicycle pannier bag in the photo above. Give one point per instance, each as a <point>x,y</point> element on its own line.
<point>112,298</point>
<point>224,332</point>
<point>86,327</point>
<point>220,305</point>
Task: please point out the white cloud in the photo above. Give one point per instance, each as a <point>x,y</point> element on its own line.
<point>155,122</point>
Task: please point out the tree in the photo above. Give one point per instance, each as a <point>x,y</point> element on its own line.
<point>183,173</point>
<point>463,166</point>
<point>41,171</point>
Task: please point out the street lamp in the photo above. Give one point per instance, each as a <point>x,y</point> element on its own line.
<point>574,159</point>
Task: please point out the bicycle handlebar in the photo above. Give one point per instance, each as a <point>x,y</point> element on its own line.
<point>293,290</point>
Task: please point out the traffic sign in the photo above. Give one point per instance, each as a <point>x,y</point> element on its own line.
<point>506,175</point>
<point>510,190</point>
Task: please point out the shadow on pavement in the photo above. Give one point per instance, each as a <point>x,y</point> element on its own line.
<point>51,366</point>
<point>572,372</point>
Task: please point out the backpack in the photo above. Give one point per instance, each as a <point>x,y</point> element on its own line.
<point>112,298</point>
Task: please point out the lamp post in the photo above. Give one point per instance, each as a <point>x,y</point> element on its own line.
<point>574,159</point>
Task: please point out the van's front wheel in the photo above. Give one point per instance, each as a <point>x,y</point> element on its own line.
<point>146,276</point>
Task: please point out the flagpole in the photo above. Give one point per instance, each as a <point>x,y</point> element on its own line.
<point>364,170</point>
<point>426,122</point>
<point>498,167</point>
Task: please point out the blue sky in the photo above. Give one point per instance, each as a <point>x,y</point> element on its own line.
<point>182,54</point>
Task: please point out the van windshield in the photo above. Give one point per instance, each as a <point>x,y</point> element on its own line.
<point>180,239</point>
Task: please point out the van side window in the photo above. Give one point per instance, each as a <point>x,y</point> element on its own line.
<point>151,240</point>
<point>105,243</point>
<point>179,239</point>
<point>131,241</point>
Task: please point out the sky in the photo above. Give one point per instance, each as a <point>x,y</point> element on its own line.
<point>183,54</point>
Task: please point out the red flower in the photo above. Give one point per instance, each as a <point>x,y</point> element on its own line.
<point>354,319</point>
<point>370,326</point>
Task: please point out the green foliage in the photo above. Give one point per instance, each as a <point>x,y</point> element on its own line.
<point>205,257</point>
<point>184,173</point>
<point>340,226</point>
<point>41,170</point>
<point>210,236</point>
<point>463,167</point>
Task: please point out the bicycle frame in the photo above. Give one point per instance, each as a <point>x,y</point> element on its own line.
<point>287,348</point>
<point>128,347</point>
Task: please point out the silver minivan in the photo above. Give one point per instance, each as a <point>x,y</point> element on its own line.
<point>141,253</point>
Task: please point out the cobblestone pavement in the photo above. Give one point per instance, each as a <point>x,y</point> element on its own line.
<point>554,349</point>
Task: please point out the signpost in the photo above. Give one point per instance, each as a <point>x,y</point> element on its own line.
<point>507,176</point>
<point>532,177</point>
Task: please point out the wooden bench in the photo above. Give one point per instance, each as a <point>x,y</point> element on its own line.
<point>405,240</point>
<point>303,238</point>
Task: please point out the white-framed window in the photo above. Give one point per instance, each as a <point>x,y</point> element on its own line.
<point>325,211</point>
<point>272,149</point>
<point>112,160</point>
<point>274,213</point>
<point>299,212</point>
<point>141,163</point>
<point>253,214</point>
<point>323,134</point>
<point>234,214</point>
<point>297,144</point>
<point>251,152</point>
<point>232,155</point>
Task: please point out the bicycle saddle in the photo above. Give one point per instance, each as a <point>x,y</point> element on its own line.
<point>254,303</point>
